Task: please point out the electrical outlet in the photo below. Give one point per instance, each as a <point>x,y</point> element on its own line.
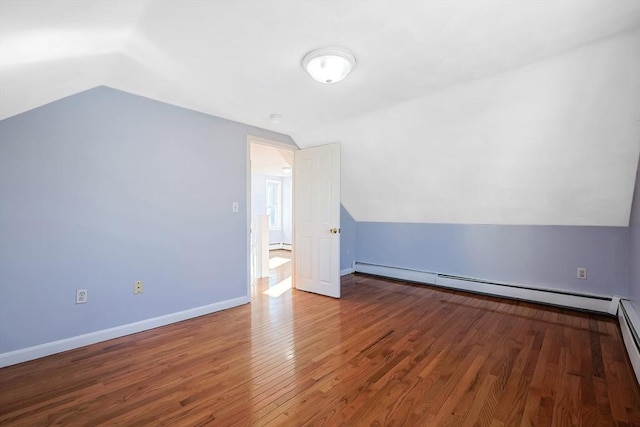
<point>81,296</point>
<point>582,273</point>
<point>138,287</point>
<point>235,207</point>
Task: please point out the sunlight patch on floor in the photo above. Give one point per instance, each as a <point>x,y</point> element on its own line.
<point>276,262</point>
<point>278,289</point>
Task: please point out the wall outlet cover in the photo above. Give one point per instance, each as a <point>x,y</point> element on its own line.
<point>82,296</point>
<point>138,287</point>
<point>582,273</point>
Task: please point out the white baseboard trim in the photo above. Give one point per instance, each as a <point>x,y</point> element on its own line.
<point>630,328</point>
<point>597,303</point>
<point>47,349</point>
<point>346,271</point>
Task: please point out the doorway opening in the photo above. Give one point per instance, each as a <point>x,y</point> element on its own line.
<point>271,218</point>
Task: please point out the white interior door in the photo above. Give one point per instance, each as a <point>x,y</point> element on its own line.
<point>316,198</point>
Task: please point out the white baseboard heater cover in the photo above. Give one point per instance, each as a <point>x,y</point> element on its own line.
<point>630,327</point>
<point>597,303</point>
<point>280,245</point>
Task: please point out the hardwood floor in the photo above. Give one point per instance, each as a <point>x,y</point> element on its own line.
<point>386,354</point>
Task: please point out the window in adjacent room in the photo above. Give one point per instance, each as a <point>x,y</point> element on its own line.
<point>274,204</point>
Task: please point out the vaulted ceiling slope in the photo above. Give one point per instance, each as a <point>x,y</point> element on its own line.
<point>501,112</point>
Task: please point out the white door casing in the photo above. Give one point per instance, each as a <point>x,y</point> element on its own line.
<point>316,198</point>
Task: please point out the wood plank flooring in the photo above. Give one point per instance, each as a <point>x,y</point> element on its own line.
<point>386,354</point>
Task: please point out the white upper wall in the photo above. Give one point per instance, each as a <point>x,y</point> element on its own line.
<point>555,142</point>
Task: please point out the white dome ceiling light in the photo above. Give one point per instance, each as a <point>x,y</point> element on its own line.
<point>329,65</point>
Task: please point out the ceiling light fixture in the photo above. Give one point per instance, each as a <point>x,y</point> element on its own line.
<point>329,65</point>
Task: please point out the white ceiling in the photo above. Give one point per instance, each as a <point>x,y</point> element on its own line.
<point>268,160</point>
<point>241,60</point>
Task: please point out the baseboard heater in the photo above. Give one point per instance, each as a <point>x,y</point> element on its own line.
<point>589,302</point>
<point>629,325</point>
<point>280,245</point>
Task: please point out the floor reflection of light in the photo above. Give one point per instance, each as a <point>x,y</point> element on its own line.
<point>276,290</point>
<point>276,262</point>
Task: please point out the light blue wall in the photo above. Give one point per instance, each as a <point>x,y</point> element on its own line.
<point>104,188</point>
<point>347,239</point>
<point>542,256</point>
<point>634,247</point>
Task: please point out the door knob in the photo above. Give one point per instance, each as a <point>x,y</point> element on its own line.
<point>334,230</point>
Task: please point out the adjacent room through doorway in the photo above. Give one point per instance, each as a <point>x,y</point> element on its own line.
<point>271,218</point>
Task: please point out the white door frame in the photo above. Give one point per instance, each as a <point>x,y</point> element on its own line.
<point>276,144</point>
